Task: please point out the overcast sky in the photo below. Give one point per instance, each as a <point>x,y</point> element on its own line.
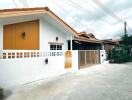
<point>87,15</point>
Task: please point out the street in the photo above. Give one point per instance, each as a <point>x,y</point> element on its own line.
<point>100,82</point>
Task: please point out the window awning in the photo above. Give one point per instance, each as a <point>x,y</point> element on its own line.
<point>61,43</point>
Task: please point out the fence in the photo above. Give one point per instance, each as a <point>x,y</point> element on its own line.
<point>23,66</point>
<point>12,54</point>
<point>88,58</point>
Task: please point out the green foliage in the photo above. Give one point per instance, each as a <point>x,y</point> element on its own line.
<point>1,92</point>
<point>120,54</point>
<point>126,40</point>
<point>123,52</point>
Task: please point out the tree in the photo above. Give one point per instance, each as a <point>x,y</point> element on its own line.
<point>122,52</point>
<point>126,40</point>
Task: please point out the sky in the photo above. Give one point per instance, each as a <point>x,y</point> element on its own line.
<point>104,18</point>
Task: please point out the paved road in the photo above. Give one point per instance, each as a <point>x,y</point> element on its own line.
<point>101,82</point>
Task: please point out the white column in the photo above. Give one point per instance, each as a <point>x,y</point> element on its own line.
<point>71,41</point>
<point>1,37</point>
<point>102,46</point>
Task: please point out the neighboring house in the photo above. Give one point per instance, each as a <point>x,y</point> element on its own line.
<point>86,41</point>
<point>108,44</point>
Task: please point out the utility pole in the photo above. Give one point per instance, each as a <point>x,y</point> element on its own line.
<point>125,30</point>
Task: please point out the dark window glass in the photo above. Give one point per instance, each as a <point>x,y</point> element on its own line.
<point>55,47</point>
<point>59,47</point>
<point>52,47</point>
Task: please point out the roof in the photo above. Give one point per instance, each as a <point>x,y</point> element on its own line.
<point>37,10</point>
<point>110,41</point>
<point>87,37</point>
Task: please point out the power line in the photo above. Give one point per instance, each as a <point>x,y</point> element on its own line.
<point>14,2</point>
<point>24,3</point>
<point>21,2</point>
<point>108,11</point>
<point>60,7</point>
<point>87,11</point>
<point>66,13</point>
<point>84,10</point>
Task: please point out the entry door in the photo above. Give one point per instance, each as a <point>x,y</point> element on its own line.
<point>68,59</point>
<point>22,36</point>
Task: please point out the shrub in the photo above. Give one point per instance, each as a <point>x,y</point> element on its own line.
<point>120,54</point>
<point>1,92</point>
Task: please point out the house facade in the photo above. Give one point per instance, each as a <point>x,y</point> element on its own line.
<point>33,29</point>
<point>33,45</point>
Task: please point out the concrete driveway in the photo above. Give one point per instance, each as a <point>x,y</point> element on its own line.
<point>101,82</point>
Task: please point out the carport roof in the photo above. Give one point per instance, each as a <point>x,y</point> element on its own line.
<point>4,13</point>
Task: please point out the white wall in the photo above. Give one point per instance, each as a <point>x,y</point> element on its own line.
<point>1,36</point>
<point>48,33</point>
<point>14,72</point>
<point>75,65</point>
<point>102,56</point>
<point>18,71</point>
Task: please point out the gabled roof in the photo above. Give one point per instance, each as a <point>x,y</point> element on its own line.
<point>87,37</point>
<point>32,11</point>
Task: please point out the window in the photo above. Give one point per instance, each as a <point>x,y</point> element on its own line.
<point>59,47</point>
<point>52,47</point>
<point>55,47</point>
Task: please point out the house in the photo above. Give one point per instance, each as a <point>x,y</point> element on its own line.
<point>86,41</point>
<point>90,49</point>
<point>33,29</point>
<point>33,42</point>
<point>108,44</point>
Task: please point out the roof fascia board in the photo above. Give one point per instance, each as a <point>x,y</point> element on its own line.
<point>21,13</point>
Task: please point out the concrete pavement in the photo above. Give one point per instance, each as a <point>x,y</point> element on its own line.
<point>101,82</point>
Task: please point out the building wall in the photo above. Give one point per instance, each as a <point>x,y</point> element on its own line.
<point>1,36</point>
<point>15,72</point>
<point>102,56</point>
<point>48,33</point>
<point>75,65</point>
<point>18,71</point>
<point>108,47</point>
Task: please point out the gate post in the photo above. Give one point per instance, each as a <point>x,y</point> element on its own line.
<point>75,60</point>
<point>85,57</point>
